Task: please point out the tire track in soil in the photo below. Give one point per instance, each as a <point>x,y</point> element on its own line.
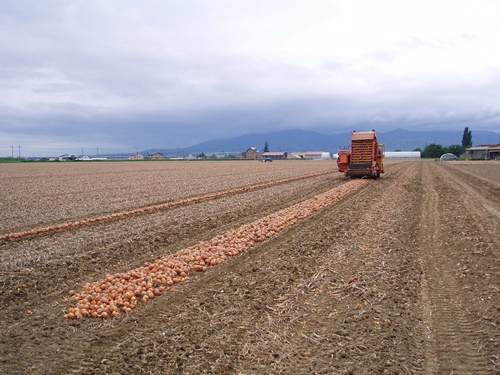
<point>451,336</point>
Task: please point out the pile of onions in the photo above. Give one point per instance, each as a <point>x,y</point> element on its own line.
<point>122,292</point>
<point>155,207</point>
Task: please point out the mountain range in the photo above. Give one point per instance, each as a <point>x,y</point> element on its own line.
<point>296,140</point>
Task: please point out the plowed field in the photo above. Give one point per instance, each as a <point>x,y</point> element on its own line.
<point>398,277</point>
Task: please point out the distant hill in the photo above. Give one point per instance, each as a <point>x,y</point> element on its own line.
<point>303,140</point>
<point>284,140</point>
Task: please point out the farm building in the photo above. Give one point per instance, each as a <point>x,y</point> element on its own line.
<point>84,157</point>
<point>296,155</point>
<point>275,155</point>
<point>156,156</point>
<point>486,152</point>
<point>252,153</point>
<point>136,157</point>
<point>63,157</point>
<point>317,155</point>
<point>402,154</point>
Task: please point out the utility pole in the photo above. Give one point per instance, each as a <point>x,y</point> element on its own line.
<point>12,147</point>
<point>19,152</point>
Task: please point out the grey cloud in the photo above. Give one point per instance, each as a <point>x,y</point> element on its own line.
<point>131,74</point>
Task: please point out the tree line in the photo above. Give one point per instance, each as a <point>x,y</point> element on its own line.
<point>435,150</point>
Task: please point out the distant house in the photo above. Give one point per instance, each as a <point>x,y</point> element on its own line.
<point>156,156</point>
<point>275,155</point>
<point>136,157</point>
<point>486,152</point>
<point>63,157</point>
<point>252,153</point>
<point>84,157</point>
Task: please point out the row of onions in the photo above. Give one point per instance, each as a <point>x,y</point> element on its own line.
<point>124,291</point>
<point>155,207</point>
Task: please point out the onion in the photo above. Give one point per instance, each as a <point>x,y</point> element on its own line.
<point>102,298</point>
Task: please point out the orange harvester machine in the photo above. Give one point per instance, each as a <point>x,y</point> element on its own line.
<point>365,158</point>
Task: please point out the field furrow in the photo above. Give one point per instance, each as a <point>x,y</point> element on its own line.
<point>36,195</point>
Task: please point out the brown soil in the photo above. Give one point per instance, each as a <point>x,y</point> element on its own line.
<point>400,277</point>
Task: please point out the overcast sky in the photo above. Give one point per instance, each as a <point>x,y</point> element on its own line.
<point>129,74</point>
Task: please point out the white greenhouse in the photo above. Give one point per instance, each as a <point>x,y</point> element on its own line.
<point>448,157</point>
<point>403,154</point>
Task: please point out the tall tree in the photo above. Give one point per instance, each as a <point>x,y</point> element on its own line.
<point>266,147</point>
<point>433,150</point>
<point>456,150</point>
<point>467,138</point>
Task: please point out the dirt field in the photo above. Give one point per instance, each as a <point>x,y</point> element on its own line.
<point>400,277</point>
